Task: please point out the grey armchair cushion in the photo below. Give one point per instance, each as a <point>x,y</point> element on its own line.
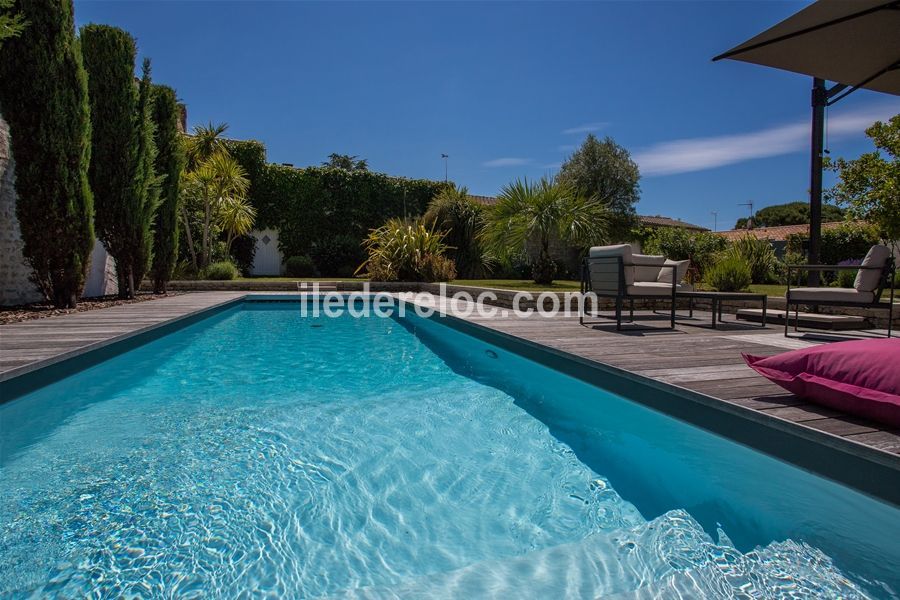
<point>603,272</point>
<point>848,295</point>
<point>647,267</point>
<point>867,279</point>
<point>680,271</point>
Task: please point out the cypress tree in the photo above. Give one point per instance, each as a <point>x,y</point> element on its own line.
<point>44,98</point>
<point>170,161</point>
<point>121,169</point>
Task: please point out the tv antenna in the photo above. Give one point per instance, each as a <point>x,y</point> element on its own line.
<point>445,157</point>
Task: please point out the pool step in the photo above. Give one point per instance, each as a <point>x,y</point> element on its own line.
<point>316,286</point>
<point>668,557</point>
<point>600,564</point>
<point>807,320</point>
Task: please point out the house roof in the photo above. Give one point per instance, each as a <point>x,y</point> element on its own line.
<point>486,200</point>
<point>775,234</point>
<point>660,221</point>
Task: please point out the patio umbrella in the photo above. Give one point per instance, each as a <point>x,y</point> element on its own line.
<point>853,43</point>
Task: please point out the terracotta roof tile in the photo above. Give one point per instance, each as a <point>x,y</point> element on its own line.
<point>775,234</point>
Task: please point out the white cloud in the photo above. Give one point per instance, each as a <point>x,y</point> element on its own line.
<point>508,162</point>
<point>586,128</point>
<point>699,154</point>
<point>552,166</point>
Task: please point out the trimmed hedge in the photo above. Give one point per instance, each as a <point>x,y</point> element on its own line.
<point>311,205</point>
<point>314,207</point>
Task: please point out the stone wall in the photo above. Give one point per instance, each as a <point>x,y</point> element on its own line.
<point>15,288</point>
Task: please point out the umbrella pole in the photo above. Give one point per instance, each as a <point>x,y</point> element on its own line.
<point>819,102</point>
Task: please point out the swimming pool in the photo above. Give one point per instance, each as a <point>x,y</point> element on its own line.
<point>258,451</point>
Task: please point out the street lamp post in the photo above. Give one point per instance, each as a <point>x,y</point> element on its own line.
<point>445,157</point>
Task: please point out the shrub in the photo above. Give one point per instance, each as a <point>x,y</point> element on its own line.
<point>759,254</point>
<point>338,256</point>
<point>221,271</point>
<point>45,101</point>
<point>242,252</point>
<point>730,273</point>
<point>406,251</point>
<point>700,247</point>
<point>847,277</point>
<point>300,266</point>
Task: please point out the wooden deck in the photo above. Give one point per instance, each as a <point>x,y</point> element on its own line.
<point>699,358</point>
<point>32,344</point>
<point>693,356</point>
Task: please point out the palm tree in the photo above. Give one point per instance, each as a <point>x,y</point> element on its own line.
<point>454,212</point>
<point>205,141</point>
<point>236,217</point>
<point>540,211</point>
<point>218,183</point>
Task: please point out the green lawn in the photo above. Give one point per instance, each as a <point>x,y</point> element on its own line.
<point>774,289</point>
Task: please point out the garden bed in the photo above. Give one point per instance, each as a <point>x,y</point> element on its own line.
<point>39,310</point>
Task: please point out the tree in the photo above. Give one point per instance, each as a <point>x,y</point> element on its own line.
<point>870,184</point>
<point>540,211</point>
<point>170,161</point>
<point>791,213</point>
<point>11,24</point>
<point>604,170</point>
<point>44,98</point>
<point>347,162</point>
<point>463,220</point>
<point>213,188</point>
<point>123,152</point>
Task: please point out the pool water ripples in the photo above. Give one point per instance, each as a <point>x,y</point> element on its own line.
<point>256,455</point>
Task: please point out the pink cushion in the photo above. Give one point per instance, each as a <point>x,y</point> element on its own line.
<point>859,377</point>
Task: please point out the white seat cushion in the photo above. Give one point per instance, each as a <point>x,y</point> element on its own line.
<point>867,279</point>
<point>827,294</point>
<point>680,271</point>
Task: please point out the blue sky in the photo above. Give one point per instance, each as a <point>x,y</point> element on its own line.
<point>506,89</point>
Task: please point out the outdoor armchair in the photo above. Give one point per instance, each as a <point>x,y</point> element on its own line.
<point>876,273</point>
<point>616,272</point>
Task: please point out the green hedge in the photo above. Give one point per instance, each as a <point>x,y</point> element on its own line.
<point>316,204</point>
<point>314,207</point>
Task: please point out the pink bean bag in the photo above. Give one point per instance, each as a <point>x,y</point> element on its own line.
<point>859,377</point>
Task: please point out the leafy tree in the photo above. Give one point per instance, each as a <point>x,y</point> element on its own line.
<point>205,141</point>
<point>604,170</point>
<point>792,213</point>
<point>11,24</point>
<point>463,219</point>
<point>541,211</point>
<point>45,100</point>
<point>347,162</point>
<point>170,161</point>
<point>870,184</point>
<point>123,152</point>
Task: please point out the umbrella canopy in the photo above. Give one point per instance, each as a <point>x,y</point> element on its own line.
<point>853,42</point>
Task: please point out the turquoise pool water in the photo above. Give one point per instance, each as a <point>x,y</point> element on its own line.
<point>260,452</point>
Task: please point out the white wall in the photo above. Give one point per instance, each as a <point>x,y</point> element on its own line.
<point>101,278</point>
<point>268,259</point>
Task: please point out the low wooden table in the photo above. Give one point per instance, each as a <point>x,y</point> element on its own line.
<point>719,298</point>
